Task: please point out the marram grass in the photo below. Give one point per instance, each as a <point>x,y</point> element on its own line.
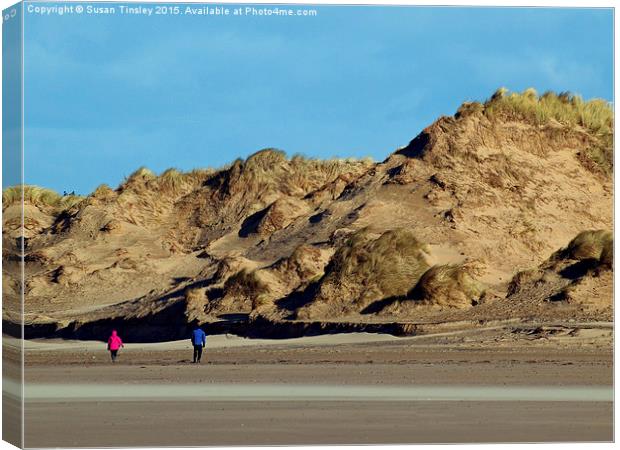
<point>590,244</point>
<point>388,265</point>
<point>595,115</point>
<point>38,196</point>
<point>448,284</point>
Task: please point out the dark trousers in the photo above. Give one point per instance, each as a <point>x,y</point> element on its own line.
<point>197,352</point>
<point>113,354</point>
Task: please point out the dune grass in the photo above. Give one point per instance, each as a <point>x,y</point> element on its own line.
<point>247,285</point>
<point>38,196</point>
<point>366,269</point>
<point>469,108</point>
<point>195,302</point>
<point>266,158</point>
<point>270,171</point>
<point>11,195</point>
<point>141,174</point>
<point>68,201</point>
<point>266,170</point>
<point>523,278</point>
<point>592,248</point>
<point>171,181</point>
<point>103,191</point>
<point>448,285</point>
<point>595,116</point>
<point>590,244</point>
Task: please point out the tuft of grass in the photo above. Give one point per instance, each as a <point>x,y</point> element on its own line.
<point>601,153</point>
<point>11,195</point>
<point>607,255</point>
<point>266,157</point>
<point>171,179</point>
<point>32,194</point>
<point>69,201</point>
<point>195,302</point>
<point>102,191</point>
<point>593,251</point>
<point>141,174</point>
<point>38,196</point>
<point>269,170</point>
<point>524,278</point>
<point>365,269</point>
<point>137,181</point>
<point>590,244</point>
<point>199,176</point>
<point>499,93</point>
<point>195,296</point>
<point>447,285</point>
<point>595,116</point>
<point>245,284</point>
<point>469,108</point>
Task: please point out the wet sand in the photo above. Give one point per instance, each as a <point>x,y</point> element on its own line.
<point>327,390</point>
<point>311,422</point>
<point>53,393</point>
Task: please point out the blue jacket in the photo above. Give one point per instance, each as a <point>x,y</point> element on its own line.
<point>199,337</point>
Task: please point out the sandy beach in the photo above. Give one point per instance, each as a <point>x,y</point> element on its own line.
<point>348,388</point>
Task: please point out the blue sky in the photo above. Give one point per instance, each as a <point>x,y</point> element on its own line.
<point>105,95</point>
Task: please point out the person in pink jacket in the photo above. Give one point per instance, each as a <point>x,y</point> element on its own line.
<point>114,344</point>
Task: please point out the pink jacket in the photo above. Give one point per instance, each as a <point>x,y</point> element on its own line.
<point>114,342</point>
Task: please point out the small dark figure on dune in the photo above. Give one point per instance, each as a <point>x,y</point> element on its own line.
<point>199,340</point>
<point>114,344</point>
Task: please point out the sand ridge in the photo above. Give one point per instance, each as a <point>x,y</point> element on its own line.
<point>435,233</point>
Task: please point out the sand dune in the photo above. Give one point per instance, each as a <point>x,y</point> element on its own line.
<point>474,220</point>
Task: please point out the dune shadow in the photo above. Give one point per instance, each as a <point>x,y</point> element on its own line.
<point>316,218</point>
<point>235,317</point>
<point>178,280</point>
<point>180,291</point>
<point>579,269</point>
<point>250,224</point>
<point>415,148</point>
<point>298,299</point>
<point>379,305</point>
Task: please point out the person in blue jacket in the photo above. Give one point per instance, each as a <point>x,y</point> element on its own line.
<point>199,340</point>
